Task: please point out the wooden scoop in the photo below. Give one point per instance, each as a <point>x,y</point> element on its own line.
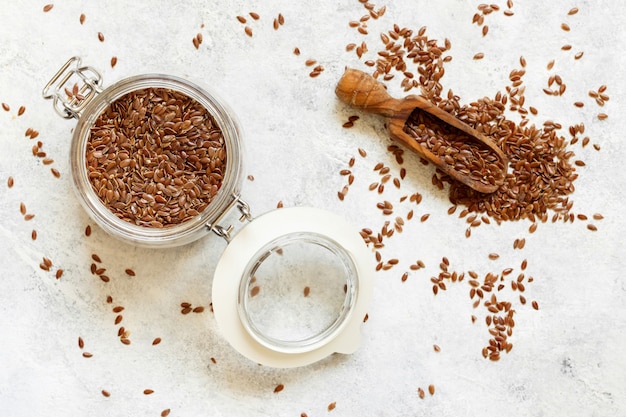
<point>362,91</point>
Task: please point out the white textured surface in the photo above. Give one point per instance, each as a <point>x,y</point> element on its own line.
<point>567,358</point>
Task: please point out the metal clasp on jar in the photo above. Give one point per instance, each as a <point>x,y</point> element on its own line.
<point>70,99</point>
<point>226,232</point>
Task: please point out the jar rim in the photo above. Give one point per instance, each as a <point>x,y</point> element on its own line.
<point>191,229</point>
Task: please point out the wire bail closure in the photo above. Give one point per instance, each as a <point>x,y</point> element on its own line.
<point>226,232</point>
<point>70,106</point>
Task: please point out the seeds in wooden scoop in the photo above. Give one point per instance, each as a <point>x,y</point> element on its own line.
<point>454,149</point>
<point>155,157</point>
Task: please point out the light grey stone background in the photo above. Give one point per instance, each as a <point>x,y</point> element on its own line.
<point>568,357</point>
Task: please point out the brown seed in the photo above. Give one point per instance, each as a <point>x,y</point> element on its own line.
<point>148,391</point>
<point>255,291</point>
<point>22,208</point>
<point>59,273</point>
<point>55,172</point>
<point>81,343</point>
<point>479,55</point>
<point>113,61</point>
<point>431,389</point>
<point>254,15</point>
<point>33,235</point>
<point>125,341</point>
<point>106,393</point>
<point>100,36</point>
<point>421,393</point>
<point>82,18</point>
<point>602,116</point>
<point>186,310</point>
<point>307,291</point>
<point>118,319</point>
<point>156,341</point>
<point>565,27</point>
<point>241,19</point>
<point>592,227</point>
<point>281,19</point>
<point>296,51</point>
<point>48,7</point>
<point>573,11</point>
<point>96,258</point>
<point>21,110</point>
<point>248,31</point>
<point>165,412</point>
<point>10,182</point>
<point>129,272</point>
<point>493,256</point>
<point>6,107</point>
<point>436,348</point>
<point>279,388</point>
<point>198,309</point>
<point>118,309</point>
<point>332,406</point>
<point>87,355</point>
<point>535,305</point>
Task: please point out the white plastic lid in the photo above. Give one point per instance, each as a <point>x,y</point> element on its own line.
<point>293,287</point>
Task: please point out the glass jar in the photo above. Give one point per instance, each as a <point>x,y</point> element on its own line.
<point>94,102</point>
<point>292,285</point>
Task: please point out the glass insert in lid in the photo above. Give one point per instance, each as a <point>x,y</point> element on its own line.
<point>297,292</point>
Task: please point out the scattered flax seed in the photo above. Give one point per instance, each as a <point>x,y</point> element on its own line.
<point>156,341</point>
<point>198,309</point>
<point>602,116</point>
<point>598,216</point>
<point>436,348</point>
<point>296,51</point>
<point>21,110</point>
<point>186,310</point>
<point>281,19</point>
<point>106,393</point>
<point>113,61</point>
<point>479,55</point>
<point>254,15</point>
<point>82,18</point>
<point>96,258</point>
<point>100,36</point>
<point>6,107</point>
<point>241,19</point>
<point>421,393</point>
<point>255,291</point>
<point>125,341</point>
<point>118,319</point>
<point>165,412</point>
<point>22,208</point>
<point>55,172</point>
<point>88,231</point>
<point>48,7</point>
<point>10,182</point>
<point>59,273</point>
<point>493,256</point>
<point>573,11</point>
<point>87,355</point>
<point>307,291</point>
<point>130,272</point>
<point>118,309</point>
<point>148,391</point>
<point>592,227</point>
<point>81,343</point>
<point>535,305</point>
<point>424,217</point>
<point>33,235</point>
<point>332,406</point>
<point>431,389</point>
<point>279,388</point>
<point>248,30</point>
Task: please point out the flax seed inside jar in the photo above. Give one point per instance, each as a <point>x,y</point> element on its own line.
<point>156,159</point>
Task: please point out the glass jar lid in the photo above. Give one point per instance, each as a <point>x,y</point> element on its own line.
<point>292,287</point>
